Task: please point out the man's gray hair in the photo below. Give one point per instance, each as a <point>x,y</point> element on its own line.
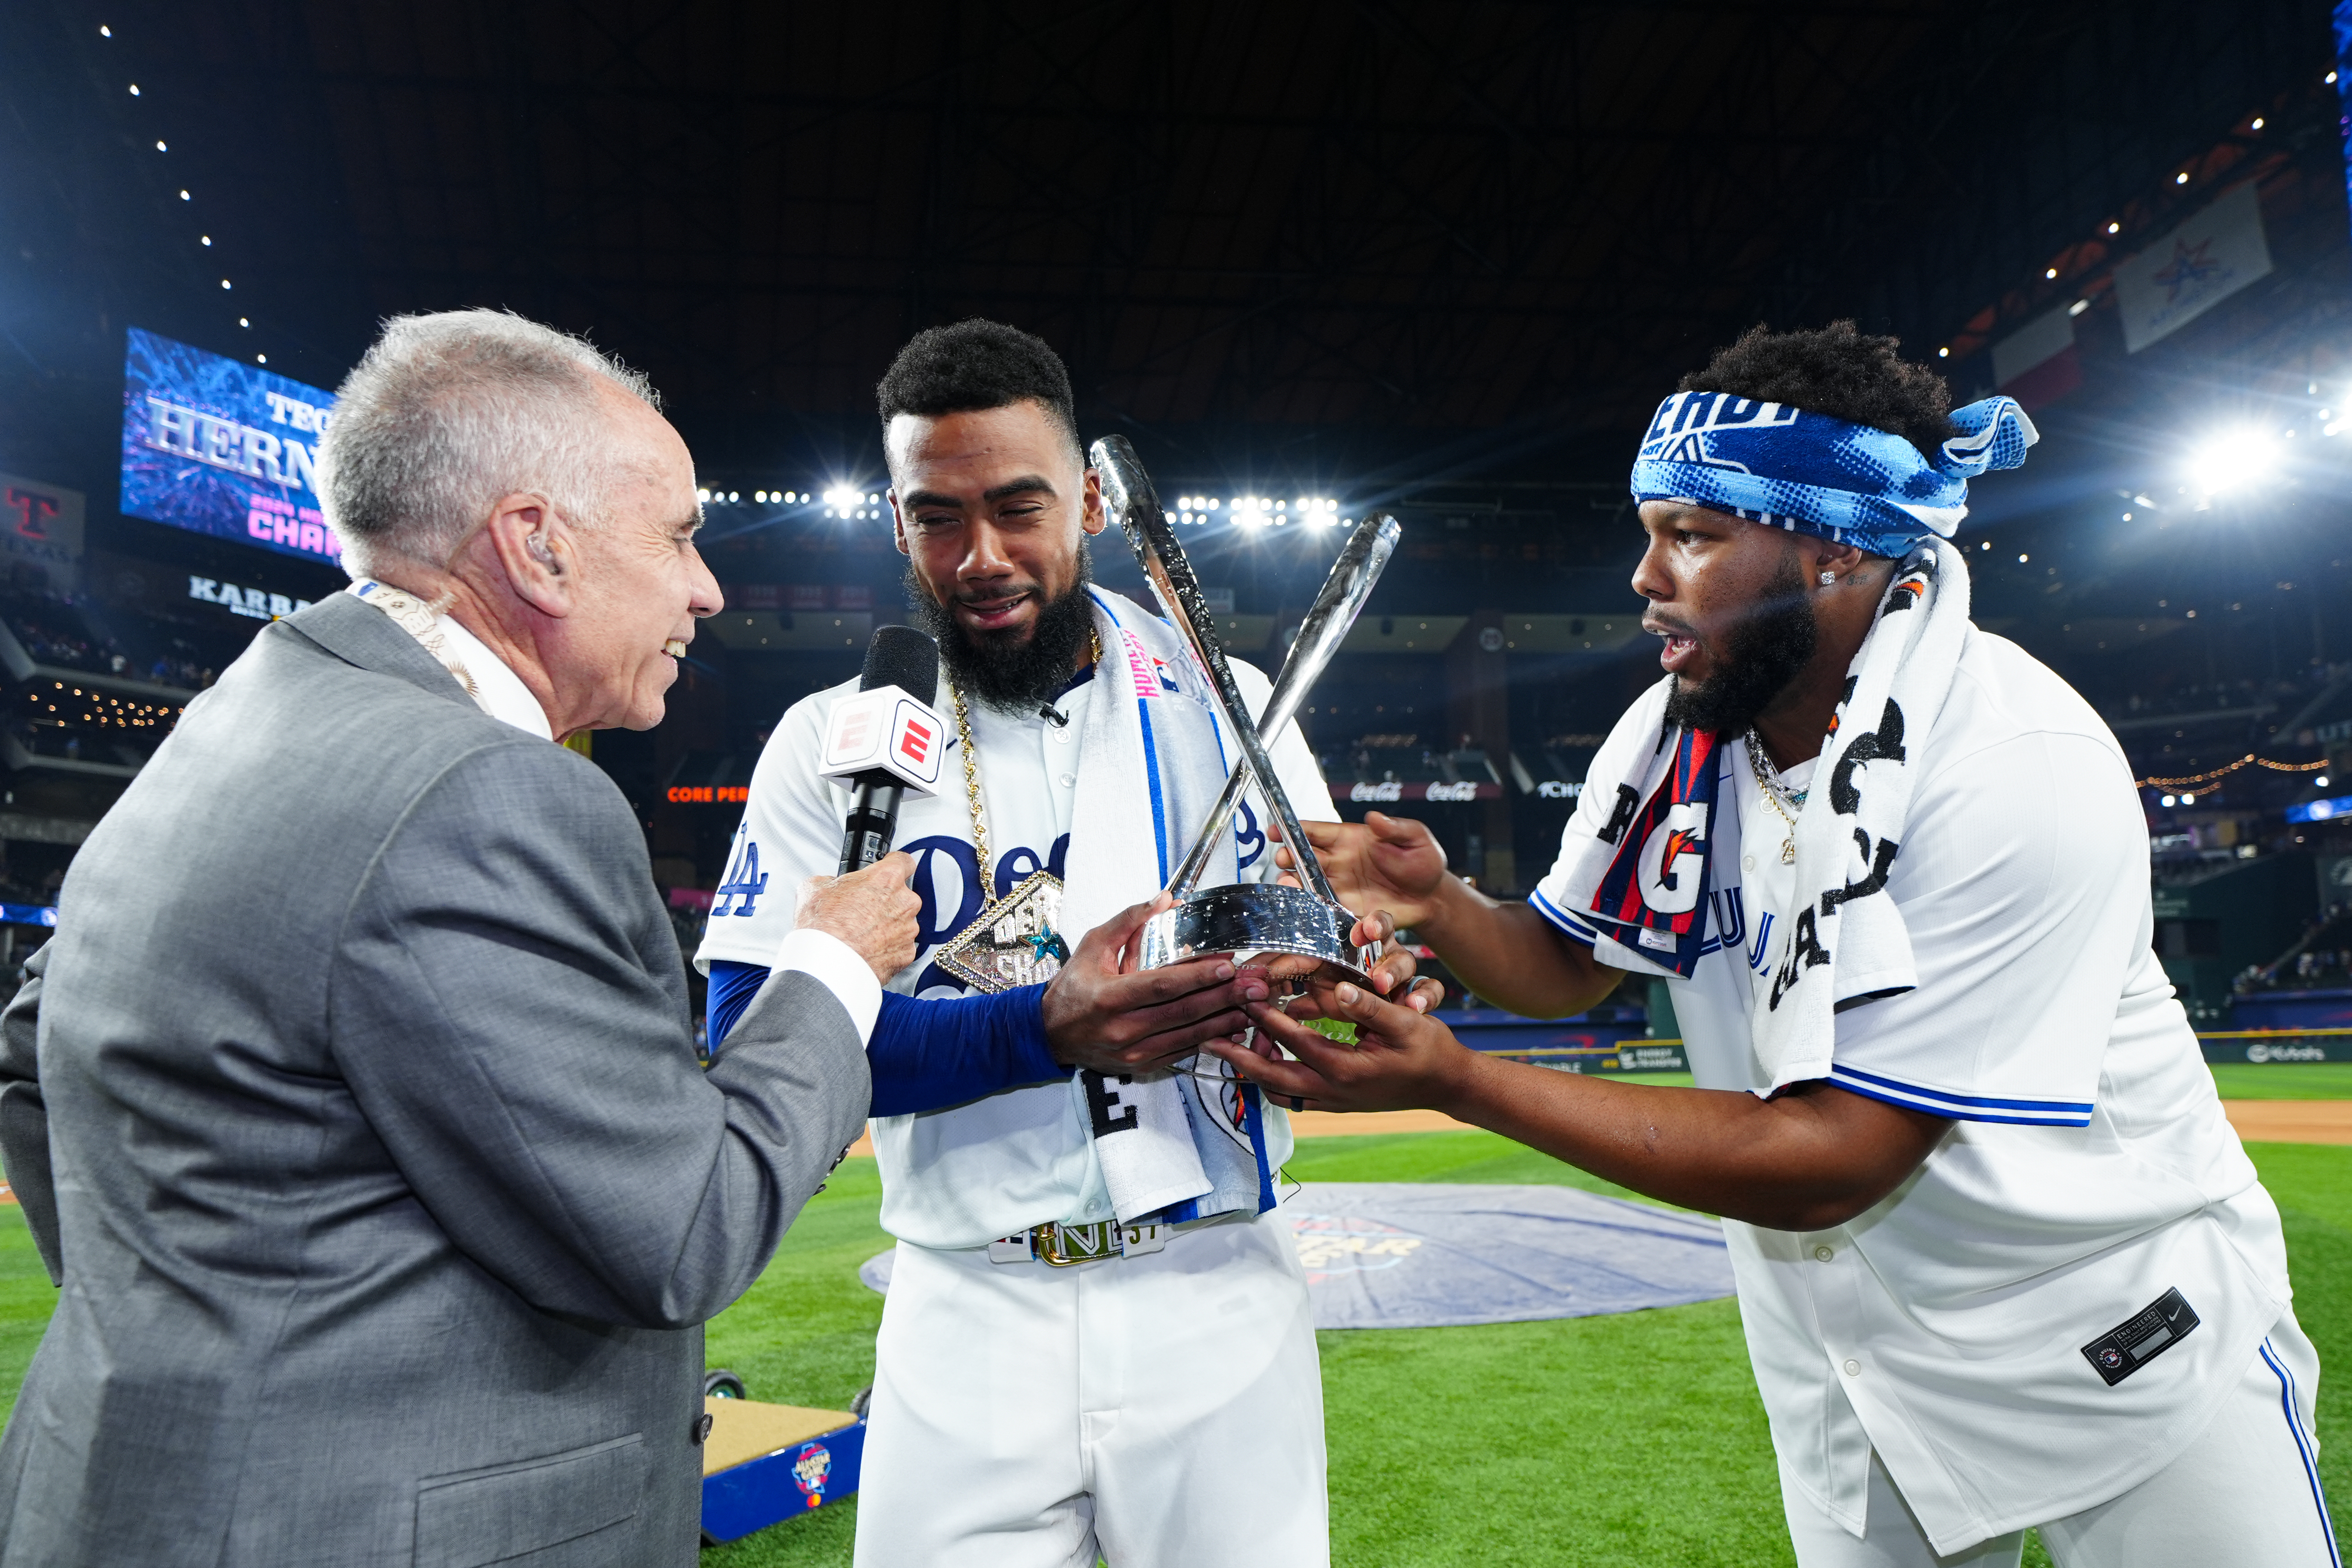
<point>449,412</point>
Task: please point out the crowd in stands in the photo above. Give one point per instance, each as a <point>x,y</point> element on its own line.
<point>2321,961</point>
<point>53,631</point>
<point>2286,693</point>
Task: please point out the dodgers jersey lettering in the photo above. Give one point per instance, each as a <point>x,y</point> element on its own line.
<point>959,1176</point>
<point>2088,1172</point>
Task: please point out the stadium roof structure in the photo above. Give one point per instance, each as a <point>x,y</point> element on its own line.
<point>1475,229</point>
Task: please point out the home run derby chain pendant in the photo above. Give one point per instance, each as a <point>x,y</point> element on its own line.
<point>1017,940</point>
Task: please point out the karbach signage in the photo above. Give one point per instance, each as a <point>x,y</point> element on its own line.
<point>223,448</point>
<point>41,525</point>
<point>253,602</point>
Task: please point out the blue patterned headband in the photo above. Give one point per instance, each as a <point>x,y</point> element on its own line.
<point>1851,484</point>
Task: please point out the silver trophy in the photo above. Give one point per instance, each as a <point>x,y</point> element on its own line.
<point>1248,918</point>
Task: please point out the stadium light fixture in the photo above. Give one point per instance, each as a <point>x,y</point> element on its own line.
<point>2258,123</point>
<point>2232,458</point>
<point>2167,800</point>
<point>134,89</point>
<point>2182,178</point>
<point>2050,272</point>
<point>2114,228</point>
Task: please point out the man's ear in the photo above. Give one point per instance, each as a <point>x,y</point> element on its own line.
<point>1091,515</point>
<point>1841,560</point>
<point>536,550</point>
<point>897,522</point>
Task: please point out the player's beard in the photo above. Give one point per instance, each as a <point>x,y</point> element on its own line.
<point>1762,654</point>
<point>1019,669</point>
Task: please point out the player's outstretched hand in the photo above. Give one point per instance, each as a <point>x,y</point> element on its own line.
<point>1308,983</point>
<point>1402,1059</point>
<point>873,910</point>
<point>1105,1013</point>
<point>1383,862</point>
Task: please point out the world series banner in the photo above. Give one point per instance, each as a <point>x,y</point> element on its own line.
<point>220,447</point>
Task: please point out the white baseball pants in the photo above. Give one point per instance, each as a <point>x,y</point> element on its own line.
<point>1165,1411</point>
<point>2246,1492</point>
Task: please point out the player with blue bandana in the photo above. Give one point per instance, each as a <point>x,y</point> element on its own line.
<point>2003,1262</point>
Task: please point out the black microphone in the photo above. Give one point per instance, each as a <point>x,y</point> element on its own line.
<point>896,739</point>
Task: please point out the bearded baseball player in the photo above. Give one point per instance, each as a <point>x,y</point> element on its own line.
<point>1097,1337</point>
<point>2001,1261</point>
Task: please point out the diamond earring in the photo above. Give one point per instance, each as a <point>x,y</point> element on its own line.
<point>1829,579</point>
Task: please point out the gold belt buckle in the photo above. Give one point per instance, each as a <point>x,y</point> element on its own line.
<point>1066,1245</point>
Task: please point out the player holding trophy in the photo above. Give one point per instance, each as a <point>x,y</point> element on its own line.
<point>1096,1337</point>
<point>2002,1260</point>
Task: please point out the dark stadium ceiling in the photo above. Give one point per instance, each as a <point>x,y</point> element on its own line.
<point>1467,229</point>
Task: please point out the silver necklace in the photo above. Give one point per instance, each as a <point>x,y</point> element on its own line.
<point>1782,798</point>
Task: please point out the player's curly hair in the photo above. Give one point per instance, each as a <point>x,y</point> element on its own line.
<point>977,365</point>
<point>1837,370</point>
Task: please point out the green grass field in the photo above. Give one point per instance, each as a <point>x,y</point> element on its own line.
<point>1618,1440</point>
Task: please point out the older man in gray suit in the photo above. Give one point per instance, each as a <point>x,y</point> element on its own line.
<point>355,1105</point>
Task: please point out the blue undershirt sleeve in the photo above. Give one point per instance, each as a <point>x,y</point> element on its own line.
<point>925,1055</point>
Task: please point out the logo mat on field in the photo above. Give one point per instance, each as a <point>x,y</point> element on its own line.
<point>1398,1254</point>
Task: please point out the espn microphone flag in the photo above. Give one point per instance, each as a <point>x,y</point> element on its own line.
<point>885,731</point>
<point>885,741</point>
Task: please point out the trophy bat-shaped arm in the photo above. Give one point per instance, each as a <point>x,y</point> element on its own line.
<point>1128,494</point>
<point>1345,590</point>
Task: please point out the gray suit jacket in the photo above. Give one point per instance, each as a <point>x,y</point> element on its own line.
<point>356,1110</point>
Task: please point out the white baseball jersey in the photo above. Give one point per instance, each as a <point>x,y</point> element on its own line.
<point>1952,1327</point>
<point>959,1177</point>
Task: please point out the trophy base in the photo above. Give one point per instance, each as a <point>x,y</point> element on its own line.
<point>1249,918</point>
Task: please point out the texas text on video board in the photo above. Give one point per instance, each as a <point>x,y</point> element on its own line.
<point>219,448</point>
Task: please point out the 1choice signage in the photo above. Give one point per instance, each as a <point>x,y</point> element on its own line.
<point>223,448</point>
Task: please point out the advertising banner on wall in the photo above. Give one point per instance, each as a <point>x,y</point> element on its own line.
<point>2193,269</point>
<point>40,528</point>
<point>220,447</point>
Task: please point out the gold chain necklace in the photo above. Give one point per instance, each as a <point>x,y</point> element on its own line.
<point>1771,788</point>
<point>1015,941</point>
<point>972,776</point>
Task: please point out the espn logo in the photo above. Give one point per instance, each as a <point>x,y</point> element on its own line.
<point>883,731</point>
